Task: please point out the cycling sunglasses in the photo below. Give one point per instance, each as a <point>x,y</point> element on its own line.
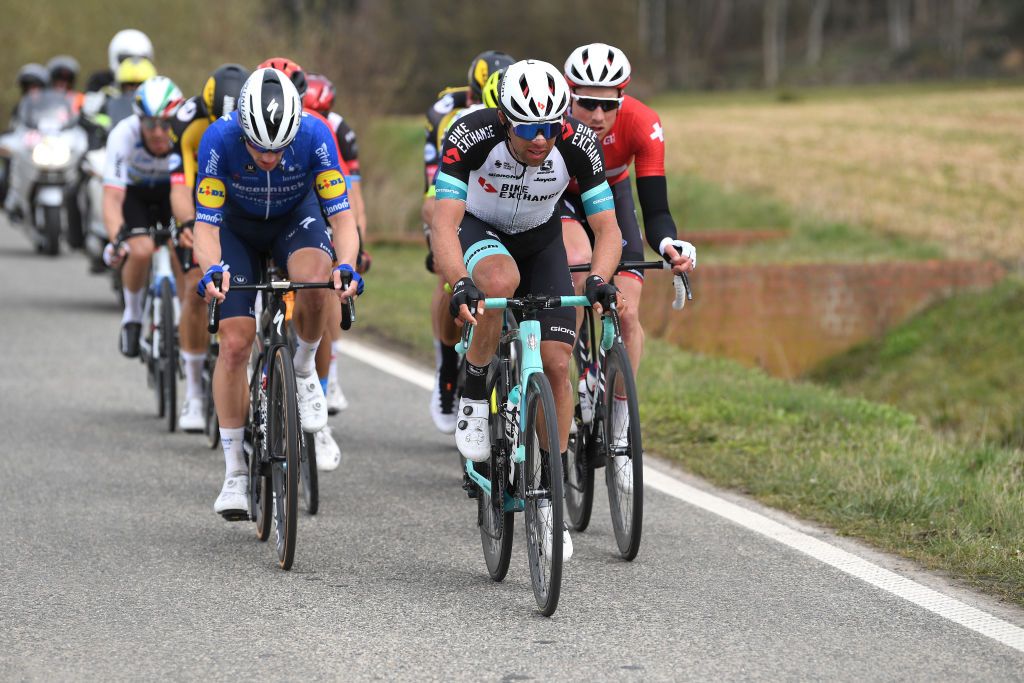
<point>529,131</point>
<point>153,122</point>
<point>262,150</point>
<point>592,103</point>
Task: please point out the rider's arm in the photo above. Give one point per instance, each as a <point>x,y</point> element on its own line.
<point>206,245</point>
<point>113,210</point>
<point>348,144</point>
<point>332,191</point>
<point>183,179</point>
<point>585,160</point>
<point>444,239</point>
<point>210,197</point>
<point>115,177</point>
<point>651,188</point>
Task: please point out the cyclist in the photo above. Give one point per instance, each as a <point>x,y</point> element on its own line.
<point>219,96</point>
<point>267,175</point>
<point>451,101</point>
<point>136,191</point>
<point>630,132</point>
<point>127,43</point>
<point>495,222</point>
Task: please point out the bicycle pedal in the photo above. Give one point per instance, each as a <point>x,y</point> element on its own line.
<point>469,487</point>
<point>235,516</point>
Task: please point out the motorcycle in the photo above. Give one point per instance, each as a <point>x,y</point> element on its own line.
<point>45,150</point>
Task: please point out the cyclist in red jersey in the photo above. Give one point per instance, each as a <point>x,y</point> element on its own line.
<point>630,132</point>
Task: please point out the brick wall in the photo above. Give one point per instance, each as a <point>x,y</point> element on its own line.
<point>788,318</point>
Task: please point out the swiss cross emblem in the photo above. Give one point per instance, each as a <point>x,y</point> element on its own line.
<point>658,133</point>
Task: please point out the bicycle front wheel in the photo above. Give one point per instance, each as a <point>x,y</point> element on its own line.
<point>168,366</point>
<point>310,476</point>
<point>579,473</point>
<point>283,433</point>
<point>495,523</point>
<point>209,409</point>
<point>541,489</point>
<point>624,471</point>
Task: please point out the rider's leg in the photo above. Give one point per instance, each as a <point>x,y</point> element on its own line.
<point>309,265</point>
<point>577,250</point>
<point>230,385</point>
<point>134,274</point>
<point>555,356</point>
<point>631,287</point>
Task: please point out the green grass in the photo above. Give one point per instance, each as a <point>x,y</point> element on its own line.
<point>866,469</point>
<point>958,366</point>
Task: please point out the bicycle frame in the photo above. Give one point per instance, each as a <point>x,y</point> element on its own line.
<point>159,270</point>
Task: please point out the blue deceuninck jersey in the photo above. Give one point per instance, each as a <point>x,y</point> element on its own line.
<point>230,183</point>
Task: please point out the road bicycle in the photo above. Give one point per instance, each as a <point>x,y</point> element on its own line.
<point>521,475</point>
<point>273,440</point>
<point>609,435</point>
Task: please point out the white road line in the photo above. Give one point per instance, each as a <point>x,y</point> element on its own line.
<point>944,606</point>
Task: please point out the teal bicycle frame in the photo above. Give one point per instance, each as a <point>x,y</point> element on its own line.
<point>529,335</point>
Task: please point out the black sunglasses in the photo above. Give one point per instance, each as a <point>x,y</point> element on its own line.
<point>152,123</point>
<point>592,103</point>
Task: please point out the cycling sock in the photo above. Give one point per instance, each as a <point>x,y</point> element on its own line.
<point>476,382</point>
<point>234,460</point>
<point>323,384</point>
<point>437,353</point>
<point>133,306</point>
<point>449,367</point>
<point>305,356</point>
<point>193,363</point>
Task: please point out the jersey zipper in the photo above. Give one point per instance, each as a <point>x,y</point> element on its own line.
<point>267,216</point>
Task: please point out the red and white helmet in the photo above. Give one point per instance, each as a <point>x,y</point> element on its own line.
<point>597,65</point>
<point>269,109</point>
<point>319,93</point>
<point>533,91</point>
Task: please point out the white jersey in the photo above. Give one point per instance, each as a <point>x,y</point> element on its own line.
<point>130,163</point>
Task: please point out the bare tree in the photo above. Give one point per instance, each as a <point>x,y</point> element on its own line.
<point>774,38</point>
<point>962,12</point>
<point>816,30</point>
<point>899,25</point>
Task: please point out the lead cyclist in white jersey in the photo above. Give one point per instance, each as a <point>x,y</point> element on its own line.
<point>494,223</point>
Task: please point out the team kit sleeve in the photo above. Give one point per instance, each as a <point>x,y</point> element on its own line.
<point>430,155</point>
<point>585,160</point>
<point>651,186</point>
<point>119,145</point>
<point>348,144</point>
<point>190,142</point>
<point>329,180</point>
<point>211,189</point>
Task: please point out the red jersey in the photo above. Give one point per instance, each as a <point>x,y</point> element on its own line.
<point>636,137</point>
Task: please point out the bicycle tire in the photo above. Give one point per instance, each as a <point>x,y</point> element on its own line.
<point>310,479</point>
<point>168,354</point>
<point>212,428</point>
<point>260,495</point>
<point>541,481</point>
<point>626,506</point>
<point>284,445</point>
<point>579,480</point>
<point>496,525</point>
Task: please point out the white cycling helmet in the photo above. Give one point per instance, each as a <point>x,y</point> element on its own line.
<point>533,91</point>
<point>157,97</point>
<point>128,43</point>
<point>269,109</point>
<point>598,65</point>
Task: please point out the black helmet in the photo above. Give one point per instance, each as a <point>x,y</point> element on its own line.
<point>482,66</point>
<point>63,68</point>
<point>33,74</point>
<point>220,94</point>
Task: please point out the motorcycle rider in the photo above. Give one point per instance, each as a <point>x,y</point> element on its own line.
<point>127,43</point>
<point>63,73</point>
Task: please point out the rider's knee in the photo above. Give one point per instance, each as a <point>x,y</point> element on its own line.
<point>498,282</point>
<point>235,346</point>
<point>556,362</point>
<point>141,247</point>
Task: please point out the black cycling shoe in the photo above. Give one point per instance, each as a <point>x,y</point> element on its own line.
<point>129,341</point>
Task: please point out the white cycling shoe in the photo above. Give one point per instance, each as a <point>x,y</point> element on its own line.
<point>312,404</point>
<point>328,453</point>
<point>544,511</point>
<point>471,434</point>
<point>586,404</point>
<point>192,418</point>
<point>336,401</point>
<point>233,501</point>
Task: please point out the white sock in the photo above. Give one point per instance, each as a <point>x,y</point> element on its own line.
<point>133,306</point>
<point>305,356</point>
<point>437,354</point>
<point>335,352</point>
<point>193,363</point>
<point>234,456</point>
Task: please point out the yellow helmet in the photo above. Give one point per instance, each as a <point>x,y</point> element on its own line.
<point>134,70</point>
<point>490,92</point>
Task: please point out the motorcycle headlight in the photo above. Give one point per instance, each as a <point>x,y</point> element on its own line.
<point>51,153</point>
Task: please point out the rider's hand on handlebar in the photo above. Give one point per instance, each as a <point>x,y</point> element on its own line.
<point>208,290</point>
<point>345,273</point>
<point>467,301</point>
<point>601,294</point>
<point>682,255</point>
<point>114,255</point>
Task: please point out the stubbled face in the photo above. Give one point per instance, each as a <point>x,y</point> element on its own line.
<point>157,139</point>
<point>599,121</point>
<point>530,152</point>
<point>266,161</point>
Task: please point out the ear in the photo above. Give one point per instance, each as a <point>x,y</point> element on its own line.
<point>501,118</point>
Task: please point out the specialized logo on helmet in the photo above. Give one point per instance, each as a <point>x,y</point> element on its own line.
<point>211,193</point>
<point>330,184</point>
<point>272,109</point>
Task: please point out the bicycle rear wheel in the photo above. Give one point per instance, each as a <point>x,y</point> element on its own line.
<point>496,525</point>
<point>283,433</point>
<point>168,366</point>
<point>541,489</point>
<point>310,477</point>
<point>212,428</point>
<point>579,479</point>
<point>624,471</point>
<point>260,495</point>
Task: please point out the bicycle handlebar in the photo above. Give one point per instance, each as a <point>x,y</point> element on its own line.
<point>681,283</point>
<point>348,309</point>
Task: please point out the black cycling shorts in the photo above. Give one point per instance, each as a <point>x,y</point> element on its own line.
<point>543,268</point>
<point>571,208</point>
<point>144,207</point>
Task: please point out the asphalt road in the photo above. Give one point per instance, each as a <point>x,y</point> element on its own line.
<point>114,565</point>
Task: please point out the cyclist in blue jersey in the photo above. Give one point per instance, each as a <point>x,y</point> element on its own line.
<point>268,174</point>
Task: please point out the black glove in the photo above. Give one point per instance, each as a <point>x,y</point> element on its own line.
<point>464,292</point>
<point>598,291</point>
